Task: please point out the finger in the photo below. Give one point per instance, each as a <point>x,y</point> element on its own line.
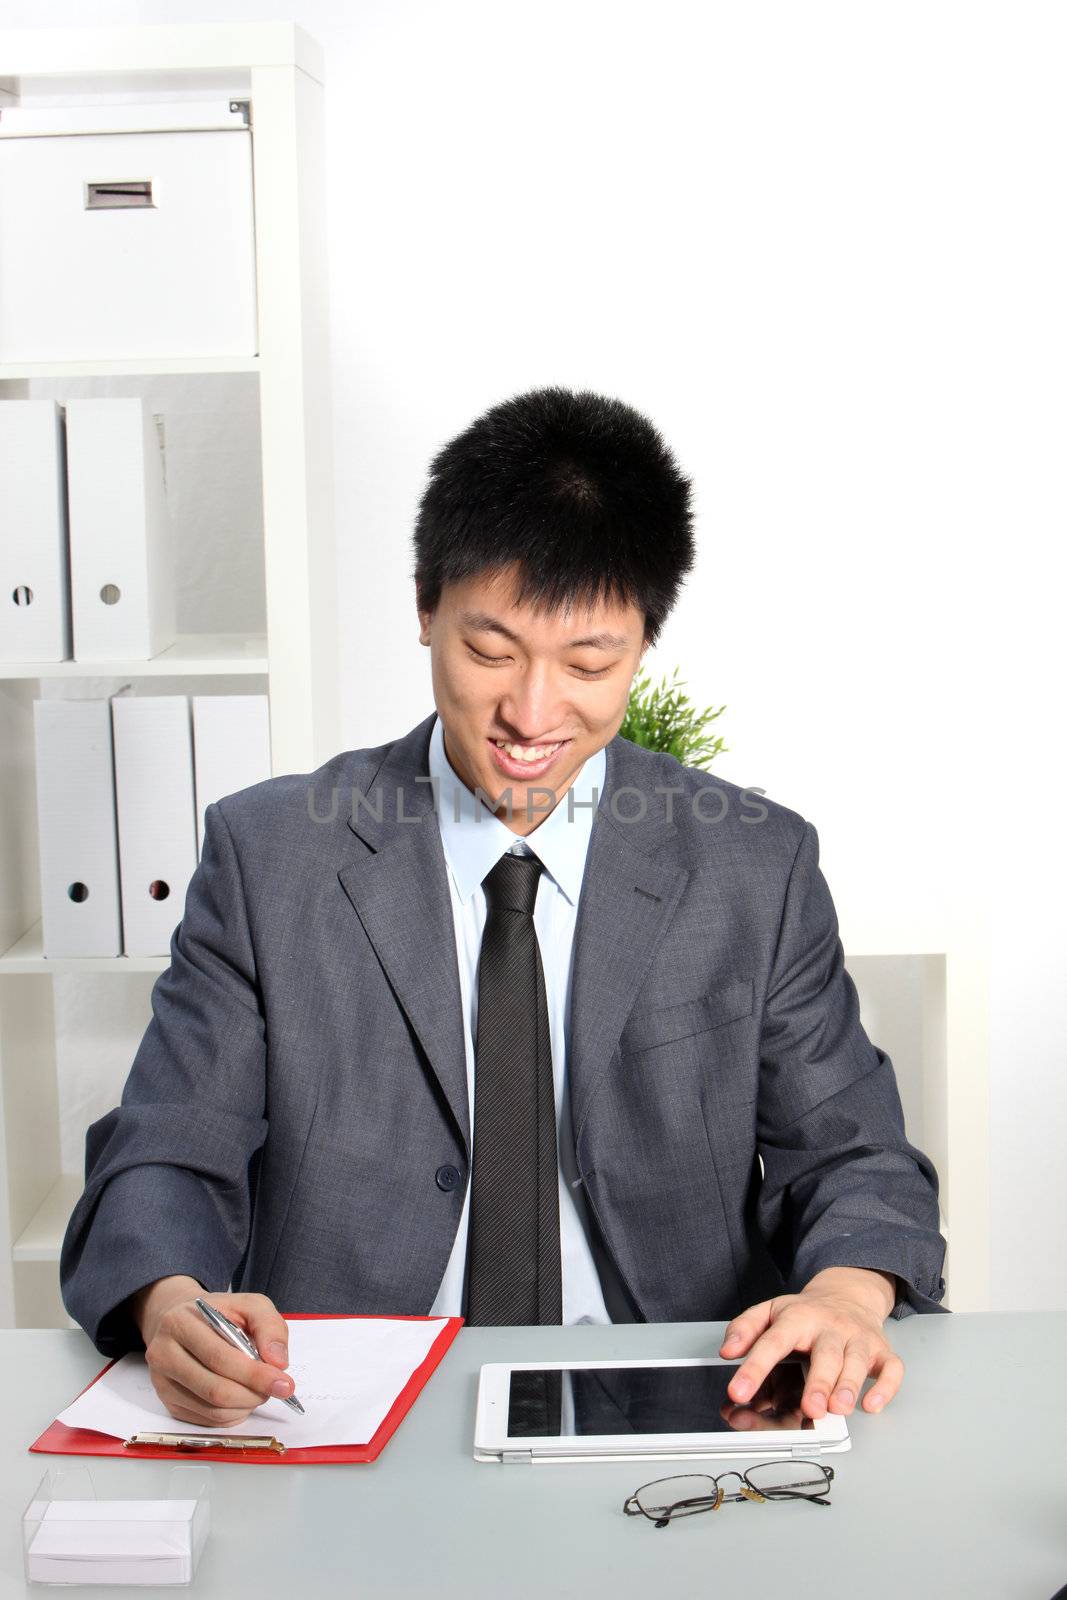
<point>189,1351</point>
<point>187,1329</point>
<point>858,1360</point>
<point>263,1322</point>
<point>188,1407</point>
<point>889,1378</point>
<point>742,1330</point>
<point>211,1389</point>
<point>772,1347</point>
<point>193,1409</point>
<point>824,1369</point>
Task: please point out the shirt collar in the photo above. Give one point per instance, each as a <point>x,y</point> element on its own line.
<point>474,839</point>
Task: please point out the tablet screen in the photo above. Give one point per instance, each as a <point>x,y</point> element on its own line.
<point>588,1401</point>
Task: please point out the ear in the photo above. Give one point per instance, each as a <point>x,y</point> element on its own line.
<point>424,624</point>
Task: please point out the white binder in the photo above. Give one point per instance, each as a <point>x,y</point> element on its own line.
<point>122,559</point>
<point>76,828</point>
<point>156,821</point>
<point>34,574</point>
<point>231,748</point>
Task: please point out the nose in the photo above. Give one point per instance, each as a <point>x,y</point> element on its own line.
<point>534,708</point>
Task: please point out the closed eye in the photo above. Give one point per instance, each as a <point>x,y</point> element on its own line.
<point>493,661</point>
<point>496,661</point>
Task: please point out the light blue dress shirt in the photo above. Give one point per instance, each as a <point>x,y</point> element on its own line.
<point>474,840</point>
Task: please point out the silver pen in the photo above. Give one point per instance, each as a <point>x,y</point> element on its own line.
<point>239,1338</point>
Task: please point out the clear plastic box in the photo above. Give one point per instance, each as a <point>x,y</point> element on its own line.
<point>152,1533</point>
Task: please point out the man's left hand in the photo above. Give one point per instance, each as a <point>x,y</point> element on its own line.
<point>836,1321</point>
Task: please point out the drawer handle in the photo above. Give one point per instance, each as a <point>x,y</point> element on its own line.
<point>108,196</point>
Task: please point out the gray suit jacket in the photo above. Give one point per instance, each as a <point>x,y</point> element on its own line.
<point>302,1082</point>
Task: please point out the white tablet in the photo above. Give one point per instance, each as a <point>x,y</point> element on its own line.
<point>556,1411</point>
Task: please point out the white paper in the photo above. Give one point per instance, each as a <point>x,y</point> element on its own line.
<point>114,1541</point>
<point>347,1374</point>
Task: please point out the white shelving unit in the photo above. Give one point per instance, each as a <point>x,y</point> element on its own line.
<point>192,655</point>
<point>278,68</point>
<point>127,368</point>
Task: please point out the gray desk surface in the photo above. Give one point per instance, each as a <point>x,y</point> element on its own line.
<point>958,1489</point>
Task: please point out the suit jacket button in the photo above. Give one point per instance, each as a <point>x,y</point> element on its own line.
<point>448,1178</point>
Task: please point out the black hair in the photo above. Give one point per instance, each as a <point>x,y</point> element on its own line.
<point>579,489</point>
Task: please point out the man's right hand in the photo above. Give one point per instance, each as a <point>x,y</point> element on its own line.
<point>198,1376</point>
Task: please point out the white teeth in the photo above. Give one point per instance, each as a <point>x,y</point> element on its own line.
<point>519,753</point>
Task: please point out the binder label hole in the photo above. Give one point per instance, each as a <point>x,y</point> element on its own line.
<point>78,892</point>
<point>109,594</point>
<point>22,595</point>
<point>158,889</point>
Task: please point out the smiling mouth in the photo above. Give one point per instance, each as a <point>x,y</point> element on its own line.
<point>535,752</point>
<point>517,760</point>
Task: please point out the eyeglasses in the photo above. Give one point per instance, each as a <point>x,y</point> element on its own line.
<point>667,1498</point>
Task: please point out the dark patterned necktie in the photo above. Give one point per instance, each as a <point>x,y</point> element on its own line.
<point>514,1270</point>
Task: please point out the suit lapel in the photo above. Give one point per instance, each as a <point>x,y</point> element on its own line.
<point>632,884</point>
<point>400,894</point>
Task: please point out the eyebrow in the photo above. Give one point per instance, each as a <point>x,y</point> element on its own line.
<point>482,622</point>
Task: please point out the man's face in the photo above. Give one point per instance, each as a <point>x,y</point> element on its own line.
<point>503,674</point>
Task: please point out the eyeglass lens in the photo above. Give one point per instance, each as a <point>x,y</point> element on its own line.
<point>792,1477</point>
<point>677,1497</point>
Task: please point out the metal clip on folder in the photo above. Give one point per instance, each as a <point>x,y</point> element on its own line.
<point>208,1441</point>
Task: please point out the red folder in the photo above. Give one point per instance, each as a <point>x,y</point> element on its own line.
<point>61,1440</point>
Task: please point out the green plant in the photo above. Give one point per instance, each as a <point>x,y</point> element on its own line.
<point>662,718</point>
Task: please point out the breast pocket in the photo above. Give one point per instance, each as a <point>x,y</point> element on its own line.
<point>648,1026</point>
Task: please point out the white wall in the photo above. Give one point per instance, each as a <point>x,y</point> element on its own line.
<point>822,245</point>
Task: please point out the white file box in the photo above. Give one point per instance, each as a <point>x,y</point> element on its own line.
<point>34,570</point>
<point>156,818</point>
<point>134,242</point>
<point>122,557</point>
<point>76,828</point>
<point>231,748</point>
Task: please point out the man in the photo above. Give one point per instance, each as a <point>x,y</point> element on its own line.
<point>510,1017</point>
